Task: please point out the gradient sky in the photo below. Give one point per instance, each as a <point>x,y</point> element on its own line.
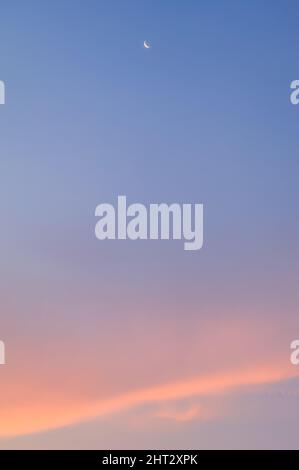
<point>122,344</point>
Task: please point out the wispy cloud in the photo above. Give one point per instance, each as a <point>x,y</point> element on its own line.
<point>37,418</point>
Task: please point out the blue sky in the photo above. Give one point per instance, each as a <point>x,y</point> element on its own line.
<point>203,116</point>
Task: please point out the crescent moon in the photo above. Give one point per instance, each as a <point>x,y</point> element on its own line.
<point>147,45</point>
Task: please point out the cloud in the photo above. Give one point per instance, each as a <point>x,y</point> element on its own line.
<point>175,413</point>
<point>36,418</point>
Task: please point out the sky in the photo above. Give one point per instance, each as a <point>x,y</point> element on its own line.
<point>122,344</point>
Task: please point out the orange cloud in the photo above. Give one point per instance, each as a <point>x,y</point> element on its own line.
<point>36,418</point>
<point>173,413</point>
